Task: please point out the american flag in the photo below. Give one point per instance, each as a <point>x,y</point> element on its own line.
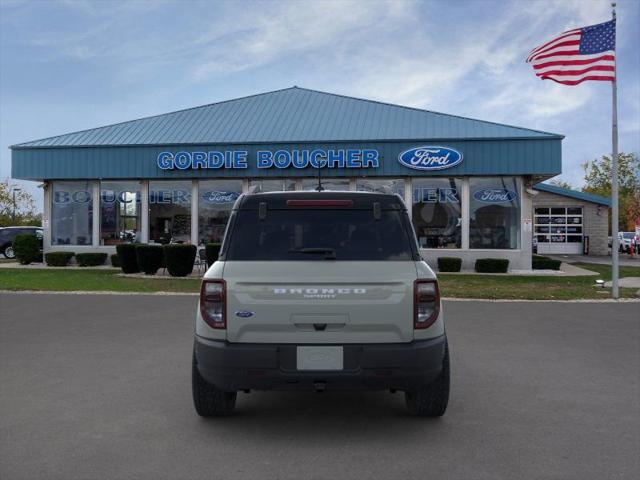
<point>587,53</point>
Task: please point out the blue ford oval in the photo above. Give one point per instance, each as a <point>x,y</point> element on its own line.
<point>244,314</point>
<point>495,195</point>
<point>430,158</point>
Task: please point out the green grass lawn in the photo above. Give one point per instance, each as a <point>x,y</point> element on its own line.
<point>89,280</point>
<point>459,286</point>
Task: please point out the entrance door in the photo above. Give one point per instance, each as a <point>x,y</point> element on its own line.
<point>559,229</point>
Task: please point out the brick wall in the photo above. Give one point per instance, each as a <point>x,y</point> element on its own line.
<point>595,226</point>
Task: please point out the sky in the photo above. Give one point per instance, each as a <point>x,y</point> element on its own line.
<point>72,65</point>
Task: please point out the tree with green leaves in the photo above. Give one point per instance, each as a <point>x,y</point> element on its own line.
<point>597,179</point>
<point>24,207</point>
<point>558,182</point>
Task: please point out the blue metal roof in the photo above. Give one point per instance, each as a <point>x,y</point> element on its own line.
<point>292,115</point>
<point>565,192</point>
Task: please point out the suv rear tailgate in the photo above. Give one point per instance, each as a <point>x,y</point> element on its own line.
<point>328,302</point>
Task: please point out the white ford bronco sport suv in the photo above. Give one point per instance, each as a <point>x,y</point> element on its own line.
<point>320,291</point>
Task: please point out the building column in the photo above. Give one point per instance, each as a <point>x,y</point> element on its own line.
<point>526,224</point>
<point>144,211</point>
<point>466,201</point>
<point>194,211</point>
<point>95,236</point>
<point>408,196</point>
<point>46,216</point>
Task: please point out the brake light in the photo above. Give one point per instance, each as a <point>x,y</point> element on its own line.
<point>319,203</point>
<point>213,303</point>
<point>426,303</point>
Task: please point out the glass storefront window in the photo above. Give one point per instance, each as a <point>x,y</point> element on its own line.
<point>216,199</point>
<point>272,185</point>
<point>72,213</point>
<point>328,183</point>
<point>437,212</point>
<point>382,185</point>
<point>494,213</point>
<point>119,212</point>
<point>170,212</point>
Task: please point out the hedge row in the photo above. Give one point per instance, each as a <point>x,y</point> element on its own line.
<point>483,265</point>
<point>449,264</point>
<point>178,259</point>
<point>492,265</point>
<point>90,259</point>
<point>539,262</point>
<point>58,259</point>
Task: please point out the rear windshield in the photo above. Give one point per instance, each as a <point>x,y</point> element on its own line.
<point>337,234</point>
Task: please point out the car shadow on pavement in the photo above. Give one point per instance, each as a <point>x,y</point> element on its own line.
<point>321,417</point>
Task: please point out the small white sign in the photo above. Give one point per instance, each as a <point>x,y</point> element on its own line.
<point>526,224</point>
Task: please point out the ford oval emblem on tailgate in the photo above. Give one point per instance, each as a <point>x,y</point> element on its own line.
<point>430,158</point>
<point>244,314</point>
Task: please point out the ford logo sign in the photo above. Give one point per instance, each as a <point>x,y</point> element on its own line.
<point>219,197</point>
<point>495,195</point>
<point>244,314</point>
<point>430,158</point>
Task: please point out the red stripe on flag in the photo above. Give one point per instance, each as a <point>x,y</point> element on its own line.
<point>574,62</point>
<point>565,34</point>
<point>557,45</point>
<point>599,68</point>
<point>576,82</point>
<point>569,51</point>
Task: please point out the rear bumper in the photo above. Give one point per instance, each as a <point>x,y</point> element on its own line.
<point>396,366</point>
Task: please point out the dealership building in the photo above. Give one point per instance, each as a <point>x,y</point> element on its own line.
<point>473,186</point>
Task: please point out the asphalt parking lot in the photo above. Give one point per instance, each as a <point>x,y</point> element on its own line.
<point>99,387</point>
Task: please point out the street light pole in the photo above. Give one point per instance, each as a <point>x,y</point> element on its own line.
<point>14,203</point>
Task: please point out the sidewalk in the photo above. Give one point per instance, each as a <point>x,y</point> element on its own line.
<point>624,259</point>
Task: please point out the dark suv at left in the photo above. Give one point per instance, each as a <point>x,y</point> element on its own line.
<point>7,234</point>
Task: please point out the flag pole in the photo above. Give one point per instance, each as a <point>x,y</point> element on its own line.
<point>614,177</point>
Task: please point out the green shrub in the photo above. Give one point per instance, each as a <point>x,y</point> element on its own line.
<point>90,259</point>
<point>492,265</point>
<point>58,259</point>
<point>212,251</point>
<point>449,264</point>
<point>27,248</point>
<point>179,259</point>
<point>539,262</point>
<point>149,258</point>
<point>127,257</point>
<point>115,260</point>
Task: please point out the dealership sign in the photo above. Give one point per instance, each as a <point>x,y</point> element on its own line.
<point>430,158</point>
<point>495,195</point>
<point>266,159</point>
<point>219,197</point>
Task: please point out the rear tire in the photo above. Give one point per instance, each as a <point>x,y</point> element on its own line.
<point>432,400</point>
<point>8,252</point>
<point>208,400</point>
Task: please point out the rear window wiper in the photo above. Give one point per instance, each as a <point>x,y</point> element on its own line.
<point>330,253</point>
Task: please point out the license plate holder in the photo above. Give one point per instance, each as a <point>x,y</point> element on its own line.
<point>320,358</point>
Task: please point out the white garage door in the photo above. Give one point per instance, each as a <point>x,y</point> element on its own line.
<point>558,229</point>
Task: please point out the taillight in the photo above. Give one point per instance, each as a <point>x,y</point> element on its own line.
<point>212,303</point>
<point>426,303</point>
